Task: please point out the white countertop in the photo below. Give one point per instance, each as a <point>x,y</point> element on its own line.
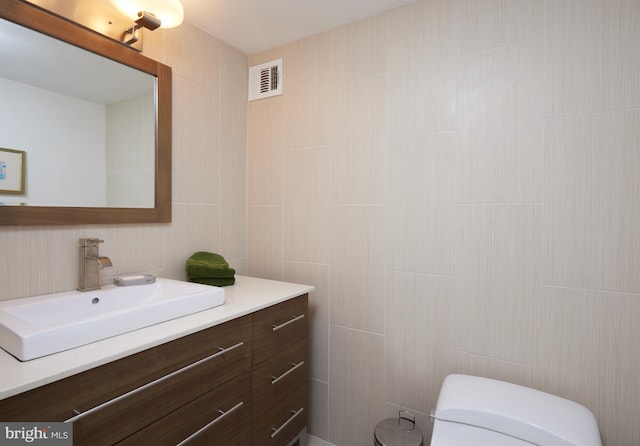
<point>248,295</point>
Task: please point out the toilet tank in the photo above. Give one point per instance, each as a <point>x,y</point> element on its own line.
<point>479,411</point>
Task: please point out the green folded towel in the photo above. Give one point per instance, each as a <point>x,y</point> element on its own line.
<point>208,265</point>
<point>207,259</point>
<point>215,282</point>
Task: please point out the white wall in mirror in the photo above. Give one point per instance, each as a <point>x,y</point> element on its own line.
<point>79,153</point>
<point>130,171</point>
<point>63,138</point>
<point>86,123</point>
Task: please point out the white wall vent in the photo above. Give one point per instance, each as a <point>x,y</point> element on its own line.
<point>265,80</point>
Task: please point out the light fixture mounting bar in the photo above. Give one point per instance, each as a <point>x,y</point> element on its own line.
<point>145,20</point>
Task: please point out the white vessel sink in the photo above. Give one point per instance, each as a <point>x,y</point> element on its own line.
<point>36,326</point>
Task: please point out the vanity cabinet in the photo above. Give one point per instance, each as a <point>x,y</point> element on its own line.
<point>280,372</point>
<point>238,383</point>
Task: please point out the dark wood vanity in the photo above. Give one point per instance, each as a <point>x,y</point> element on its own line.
<point>241,382</point>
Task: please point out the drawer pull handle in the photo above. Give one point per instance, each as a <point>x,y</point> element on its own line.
<point>295,366</point>
<point>208,425</point>
<point>78,415</point>
<point>294,319</point>
<point>295,414</point>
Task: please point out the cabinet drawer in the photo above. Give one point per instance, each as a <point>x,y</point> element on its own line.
<point>133,412</point>
<point>278,425</point>
<point>278,327</point>
<point>275,378</point>
<point>102,396</point>
<point>221,417</point>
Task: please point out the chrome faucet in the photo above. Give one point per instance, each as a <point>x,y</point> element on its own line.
<point>91,263</point>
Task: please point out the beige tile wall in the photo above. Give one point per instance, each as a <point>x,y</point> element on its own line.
<point>466,173</point>
<point>209,181</point>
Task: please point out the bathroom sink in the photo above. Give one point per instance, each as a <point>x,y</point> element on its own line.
<point>37,326</point>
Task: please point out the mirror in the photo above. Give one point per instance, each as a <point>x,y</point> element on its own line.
<point>93,118</point>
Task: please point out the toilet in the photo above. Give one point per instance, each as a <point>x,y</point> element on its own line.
<point>475,411</point>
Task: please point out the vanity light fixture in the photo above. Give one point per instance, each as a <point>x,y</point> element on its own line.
<point>150,14</point>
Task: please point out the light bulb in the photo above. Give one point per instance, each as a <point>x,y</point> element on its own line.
<point>170,12</point>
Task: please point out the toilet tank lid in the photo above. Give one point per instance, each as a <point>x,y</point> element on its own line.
<point>521,412</point>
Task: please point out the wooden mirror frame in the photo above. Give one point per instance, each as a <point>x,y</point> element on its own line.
<point>37,19</point>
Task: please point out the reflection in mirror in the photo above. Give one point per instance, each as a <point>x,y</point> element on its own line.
<point>86,123</point>
<point>93,118</point>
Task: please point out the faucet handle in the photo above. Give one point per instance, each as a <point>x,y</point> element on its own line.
<point>90,242</point>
